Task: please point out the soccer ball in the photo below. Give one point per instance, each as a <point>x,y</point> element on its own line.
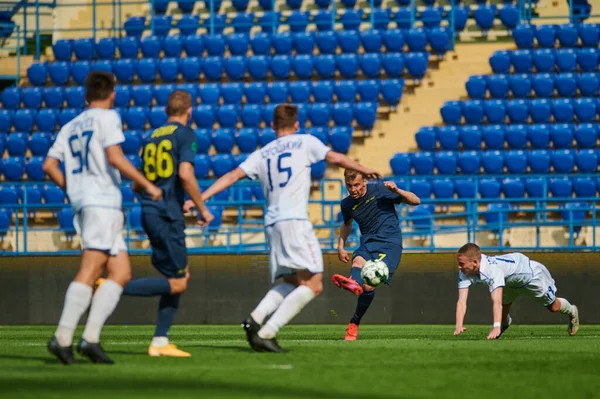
<point>375,272</point>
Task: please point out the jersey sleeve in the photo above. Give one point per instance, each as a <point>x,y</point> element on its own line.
<point>251,166</point>
<point>463,281</point>
<point>186,139</point>
<point>387,194</point>
<point>317,151</point>
<point>59,148</point>
<point>495,279</point>
<point>112,130</point>
<point>346,212</point>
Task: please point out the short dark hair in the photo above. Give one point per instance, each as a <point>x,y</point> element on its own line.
<point>99,86</point>
<point>351,174</point>
<point>285,116</point>
<point>471,250</point>
<point>178,103</point>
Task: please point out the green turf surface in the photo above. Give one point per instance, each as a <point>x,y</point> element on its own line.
<point>387,362</point>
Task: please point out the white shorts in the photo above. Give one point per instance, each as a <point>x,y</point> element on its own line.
<point>541,287</point>
<point>293,246</point>
<point>100,229</point>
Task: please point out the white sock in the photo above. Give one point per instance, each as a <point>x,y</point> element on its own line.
<point>160,342</point>
<point>77,300</point>
<point>565,307</point>
<point>271,302</point>
<point>289,308</point>
<point>104,303</point>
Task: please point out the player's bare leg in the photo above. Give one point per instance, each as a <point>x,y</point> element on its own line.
<point>105,301</point>
<point>563,306</point>
<point>77,301</point>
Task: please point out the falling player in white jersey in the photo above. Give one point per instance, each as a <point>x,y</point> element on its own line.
<point>507,276</point>
<point>89,147</point>
<point>283,168</point>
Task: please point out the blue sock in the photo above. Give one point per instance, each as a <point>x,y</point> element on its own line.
<point>167,308</point>
<point>355,273</point>
<point>364,301</point>
<point>149,286</point>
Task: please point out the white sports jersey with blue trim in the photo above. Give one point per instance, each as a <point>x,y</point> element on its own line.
<point>283,168</point>
<point>81,146</point>
<point>510,270</point>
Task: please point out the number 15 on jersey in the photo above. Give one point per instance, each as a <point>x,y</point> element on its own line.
<point>281,169</point>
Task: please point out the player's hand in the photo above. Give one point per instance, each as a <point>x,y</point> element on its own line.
<point>205,218</point>
<point>390,185</point>
<point>343,255</point>
<point>459,330</point>
<point>373,174</point>
<point>188,206</point>
<point>494,334</point>
<point>154,192</point>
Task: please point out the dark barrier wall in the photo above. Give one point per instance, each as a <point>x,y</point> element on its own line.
<point>224,289</point>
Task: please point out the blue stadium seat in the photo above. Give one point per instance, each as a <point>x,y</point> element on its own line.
<point>416,40</point>
<point>484,17</point>
<point>190,68</point>
<point>431,17</point>
<point>426,139</point>
<point>497,85</point>
<point>371,41</point>
<point>461,14</point>
<point>473,112</point>
<point>53,195</point>
<point>30,195</point>
<point>16,144</point>
<point>493,137</point>
<point>538,161</point>
<point>146,70</point>
<point>584,187</point>
<point>470,137</point>
<point>65,223</point>
<point>563,161</point>
<point>422,188</point>
<point>33,168</point>
<point>201,166</point>
<point>203,140</point>
<point>128,47</point>
<point>75,97</point>
<point>227,115</point>
<point>223,140</point>
<point>282,43</point>
<point>400,164</point>
<point>520,86</point>
<point>403,18</point>
<point>588,84</point>
<point>513,188</point>
<point>246,140</point>
<point>317,170</point>
<point>134,26</point>
<point>221,164</point>
<point>260,43</point>
<point>535,187</point>
<point>587,59</point>
<point>500,62</point>
<point>235,67</point>
<point>168,69</point>
<point>393,40</point>
<point>585,136</point>
<point>446,163</point>
<point>562,110</point>
<point>517,135</point>
<point>213,68</point>
<point>102,66</point>
<point>232,93</point>
<point>23,120</point>
<point>277,92</point>
<point>39,143</point>
<point>63,50</point>
<point>451,112</point>
<point>422,163</point>
<point>300,91</point>
<point>348,41</point>
<point>521,61</point>
<point>543,85</point>
<point>544,60</point>
<point>393,64</point>
<point>492,162</point>
<point>142,95</point>
<point>443,189</point>
<point>124,70</point>
<point>566,60</point>
<point>391,91</point>
<point>37,74</point>
<point>448,138</point>
<point>589,35</point>
<point>105,48</point>
<point>255,93</point>
<point>347,65</point>
<point>83,49</point>
<point>509,16</point>
<point>489,188</point>
<point>566,85</point>
<point>132,142</point>
<point>538,136</point>
<point>585,110</point>
<point>439,40</point>
<point>567,35</point>
<point>251,115</point>
<point>14,167</point>
<point>368,90</point>
<point>416,65</point>
<point>540,110</point>
<point>265,136</point>
<point>464,188</point>
<point>319,114</point>
<point>31,97</point>
<point>365,115</point>
<point>303,43</point>
<point>587,161</point>
<point>495,111</point>
<point>516,161</point>
<point>159,92</point>
<point>214,45</point>
<point>545,36</point>
<point>340,139</point>
<point>345,91</point>
<point>298,21</point>
<point>351,19</point>
<point>11,98</point>
<point>322,133</point>
<point>157,116</point>
<point>162,25</point>
<point>238,43</point>
<point>258,67</point>
<point>193,44</point>
<point>497,214</point>
<point>136,118</point>
<point>210,93</point>
<point>517,111</point>
<point>476,87</point>
<point>45,119</point>
<point>53,97</point>
<point>342,114</point>
<point>150,46</point>
<point>267,113</point>
<point>561,188</point>
<point>269,21</point>
<point>562,135</point>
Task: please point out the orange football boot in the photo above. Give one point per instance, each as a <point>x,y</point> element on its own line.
<point>351,332</point>
<point>347,283</point>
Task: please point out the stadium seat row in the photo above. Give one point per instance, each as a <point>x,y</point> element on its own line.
<point>545,60</point>
<point>534,187</point>
<point>259,68</point>
<point>213,93</point>
<point>567,35</point>
<point>286,43</point>
<point>494,137</point>
<point>473,112</point>
<point>495,162</point>
<point>17,144</point>
<point>543,85</point>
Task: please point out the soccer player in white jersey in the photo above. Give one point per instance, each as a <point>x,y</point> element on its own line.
<point>89,147</point>
<point>507,276</point>
<point>283,168</point>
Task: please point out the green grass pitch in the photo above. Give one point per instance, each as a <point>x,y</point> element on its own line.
<point>416,361</point>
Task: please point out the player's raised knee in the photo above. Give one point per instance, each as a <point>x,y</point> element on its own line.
<point>179,285</point>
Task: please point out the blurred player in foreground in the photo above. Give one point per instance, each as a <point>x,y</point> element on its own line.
<point>373,206</point>
<point>283,169</point>
<point>168,161</point>
<point>90,148</point>
<point>507,276</point>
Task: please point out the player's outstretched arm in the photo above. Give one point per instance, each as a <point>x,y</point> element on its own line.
<point>497,309</point>
<point>407,197</point>
<point>51,167</point>
<point>223,183</point>
<point>345,231</point>
<point>190,185</point>
<point>342,160</point>
<point>117,160</point>
<point>461,310</point>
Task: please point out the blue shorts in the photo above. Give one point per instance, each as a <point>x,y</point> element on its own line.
<point>167,237</point>
<point>390,253</point>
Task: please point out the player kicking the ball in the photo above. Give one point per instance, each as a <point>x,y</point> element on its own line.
<point>283,169</point>
<point>507,276</point>
<point>89,146</point>
<point>373,206</point>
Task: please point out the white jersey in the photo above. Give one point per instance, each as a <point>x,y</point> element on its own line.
<point>81,145</point>
<point>510,270</point>
<point>283,168</point>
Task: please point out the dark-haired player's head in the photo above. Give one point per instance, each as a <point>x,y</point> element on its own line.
<point>179,107</point>
<point>468,258</point>
<point>100,89</point>
<point>356,183</point>
<point>285,119</point>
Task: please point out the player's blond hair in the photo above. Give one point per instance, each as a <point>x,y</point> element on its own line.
<point>350,175</point>
<point>178,103</point>
<point>470,250</point>
<point>285,117</point>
